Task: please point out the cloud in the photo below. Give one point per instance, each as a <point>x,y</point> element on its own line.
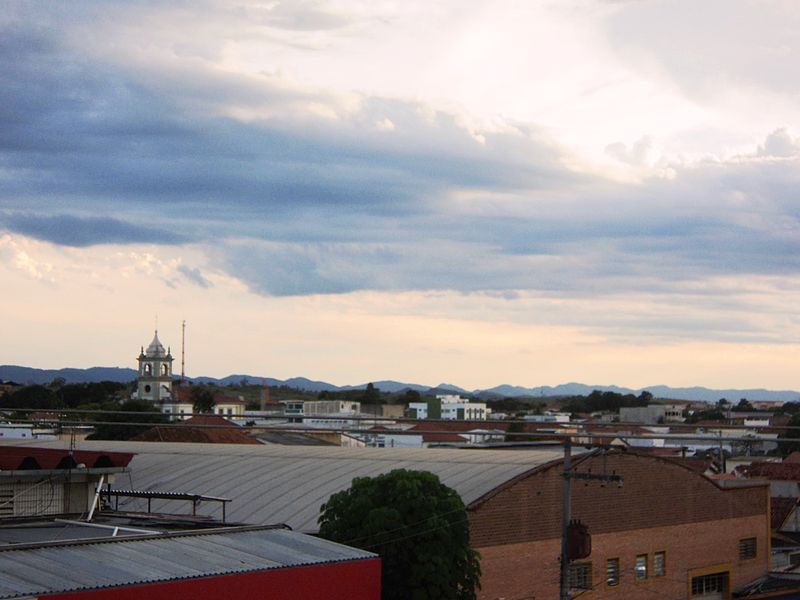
<point>301,189</point>
<point>779,143</point>
<point>195,276</point>
<point>637,154</point>
<point>68,230</point>
<point>303,15</point>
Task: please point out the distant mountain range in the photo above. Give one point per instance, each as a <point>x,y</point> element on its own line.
<point>28,375</point>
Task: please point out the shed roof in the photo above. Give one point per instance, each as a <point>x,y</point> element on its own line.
<point>54,568</point>
<point>288,484</point>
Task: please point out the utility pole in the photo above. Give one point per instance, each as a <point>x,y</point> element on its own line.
<point>565,515</point>
<point>568,475</point>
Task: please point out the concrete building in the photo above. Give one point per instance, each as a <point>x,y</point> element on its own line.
<point>182,404</point>
<point>667,532</point>
<point>652,414</point>
<point>25,431</point>
<point>449,407</point>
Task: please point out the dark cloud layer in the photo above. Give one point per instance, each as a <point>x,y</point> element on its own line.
<point>68,230</point>
<point>382,195</point>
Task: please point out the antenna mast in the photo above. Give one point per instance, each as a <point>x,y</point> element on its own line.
<point>183,350</point>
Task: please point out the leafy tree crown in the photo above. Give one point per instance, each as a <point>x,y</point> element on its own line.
<point>417,525</point>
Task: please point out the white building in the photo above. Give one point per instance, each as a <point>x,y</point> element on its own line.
<point>549,416</point>
<point>450,407</point>
<point>24,431</point>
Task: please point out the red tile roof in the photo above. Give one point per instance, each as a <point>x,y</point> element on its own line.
<point>202,429</point>
<point>770,470</point>
<point>184,394</point>
<point>24,458</point>
<point>793,458</point>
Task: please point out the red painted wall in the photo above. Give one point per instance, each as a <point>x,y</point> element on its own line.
<point>355,580</point>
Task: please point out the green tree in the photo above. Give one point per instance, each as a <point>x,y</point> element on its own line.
<point>411,396</point>
<point>372,395</point>
<point>514,428</point>
<point>418,526</point>
<point>743,406</point>
<point>126,423</point>
<point>791,435</point>
<point>202,400</point>
<point>32,396</point>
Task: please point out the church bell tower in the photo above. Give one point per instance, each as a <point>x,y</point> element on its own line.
<point>155,373</point>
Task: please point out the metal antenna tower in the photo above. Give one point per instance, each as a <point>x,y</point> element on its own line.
<point>183,350</point>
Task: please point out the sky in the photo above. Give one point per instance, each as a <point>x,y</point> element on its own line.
<point>476,193</point>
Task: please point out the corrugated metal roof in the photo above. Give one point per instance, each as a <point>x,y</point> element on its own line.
<point>108,563</point>
<point>288,484</point>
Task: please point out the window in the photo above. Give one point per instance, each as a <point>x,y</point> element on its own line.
<point>580,576</point>
<point>714,585</point>
<point>747,548</point>
<point>612,571</point>
<point>659,564</point>
<point>641,567</point>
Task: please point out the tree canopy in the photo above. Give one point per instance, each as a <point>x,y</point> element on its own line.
<point>793,435</point>
<point>606,401</point>
<point>202,400</point>
<point>418,526</point>
<point>118,426</point>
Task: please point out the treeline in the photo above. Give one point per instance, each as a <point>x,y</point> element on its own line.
<point>373,395</point>
<point>599,401</point>
<point>59,395</point>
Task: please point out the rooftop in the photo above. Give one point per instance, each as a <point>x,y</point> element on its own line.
<point>39,569</point>
<point>288,484</point>
<point>206,429</point>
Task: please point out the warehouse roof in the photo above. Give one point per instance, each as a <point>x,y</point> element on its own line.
<point>75,566</point>
<point>288,484</point>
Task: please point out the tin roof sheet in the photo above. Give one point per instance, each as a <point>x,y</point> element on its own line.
<point>288,484</point>
<point>96,564</point>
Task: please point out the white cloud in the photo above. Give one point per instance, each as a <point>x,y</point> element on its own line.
<point>780,144</point>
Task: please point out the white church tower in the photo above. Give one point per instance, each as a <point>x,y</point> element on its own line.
<point>155,373</point>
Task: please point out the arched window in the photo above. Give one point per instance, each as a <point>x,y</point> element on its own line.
<point>164,369</point>
<point>148,369</point>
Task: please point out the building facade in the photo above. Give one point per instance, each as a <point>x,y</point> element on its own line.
<point>666,532</point>
<point>449,407</point>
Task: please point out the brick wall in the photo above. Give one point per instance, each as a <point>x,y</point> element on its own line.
<point>662,506</point>
<point>530,570</point>
<point>656,492</point>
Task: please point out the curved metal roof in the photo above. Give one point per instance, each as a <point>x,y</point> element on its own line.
<point>288,484</point>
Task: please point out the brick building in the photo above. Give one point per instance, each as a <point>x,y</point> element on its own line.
<point>668,532</point>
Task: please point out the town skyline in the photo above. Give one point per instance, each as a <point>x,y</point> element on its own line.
<point>580,190</point>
